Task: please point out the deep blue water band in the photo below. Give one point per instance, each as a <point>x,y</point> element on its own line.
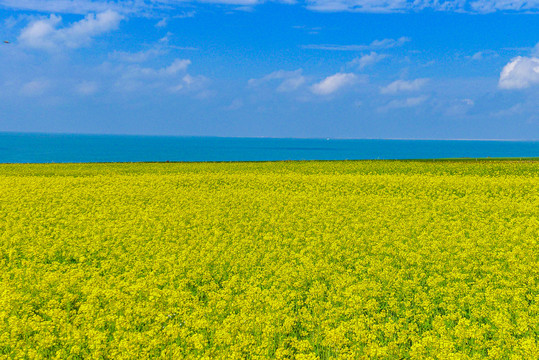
<point>46,148</point>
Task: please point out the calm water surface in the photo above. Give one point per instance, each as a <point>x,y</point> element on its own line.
<point>46,148</point>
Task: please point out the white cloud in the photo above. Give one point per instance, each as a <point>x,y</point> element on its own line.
<point>36,87</point>
<point>87,88</point>
<point>403,85</point>
<point>367,60</point>
<point>520,73</point>
<point>233,2</point>
<point>138,7</point>
<point>136,57</point>
<point>477,56</point>
<point>456,107</point>
<point>517,109</point>
<point>177,66</point>
<point>333,83</point>
<point>146,7</point>
<point>45,34</point>
<point>236,104</point>
<point>290,80</point>
<point>375,45</point>
<point>486,6</point>
<point>172,78</point>
<point>482,55</point>
<point>535,51</point>
<point>404,103</point>
<point>82,7</point>
<point>395,6</point>
<point>291,84</point>
<point>185,14</point>
<point>162,23</point>
<point>190,83</point>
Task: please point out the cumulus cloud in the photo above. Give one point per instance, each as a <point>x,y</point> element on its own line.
<point>45,33</point>
<point>375,45</point>
<point>289,80</point>
<point>520,73</point>
<point>333,83</point>
<point>403,85</point>
<point>367,60</point>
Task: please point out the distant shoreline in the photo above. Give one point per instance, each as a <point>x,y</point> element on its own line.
<point>251,137</point>
<point>456,160</point>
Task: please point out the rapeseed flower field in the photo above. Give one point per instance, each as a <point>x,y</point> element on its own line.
<point>284,260</point>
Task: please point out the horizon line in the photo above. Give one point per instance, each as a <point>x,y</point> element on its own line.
<point>252,137</point>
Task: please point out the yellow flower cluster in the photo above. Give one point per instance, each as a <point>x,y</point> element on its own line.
<point>286,260</point>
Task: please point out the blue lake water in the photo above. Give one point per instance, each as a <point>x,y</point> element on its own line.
<point>46,148</point>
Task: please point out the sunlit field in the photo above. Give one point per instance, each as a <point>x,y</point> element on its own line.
<point>284,260</point>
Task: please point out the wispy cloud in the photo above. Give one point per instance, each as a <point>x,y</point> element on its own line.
<point>135,7</point>
<point>145,7</point>
<point>35,87</point>
<point>236,104</point>
<point>404,103</point>
<point>178,65</point>
<point>82,7</point>
<point>535,51</point>
<point>190,83</point>
<point>46,34</point>
<point>482,55</point>
<point>289,80</point>
<point>162,23</point>
<point>397,6</point>
<point>403,85</point>
<point>375,45</point>
<point>333,83</point>
<point>137,57</point>
<point>87,87</point>
<point>172,78</point>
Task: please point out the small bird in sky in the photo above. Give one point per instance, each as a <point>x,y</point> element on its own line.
<point>6,42</point>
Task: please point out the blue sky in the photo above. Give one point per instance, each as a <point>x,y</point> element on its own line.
<point>321,68</point>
